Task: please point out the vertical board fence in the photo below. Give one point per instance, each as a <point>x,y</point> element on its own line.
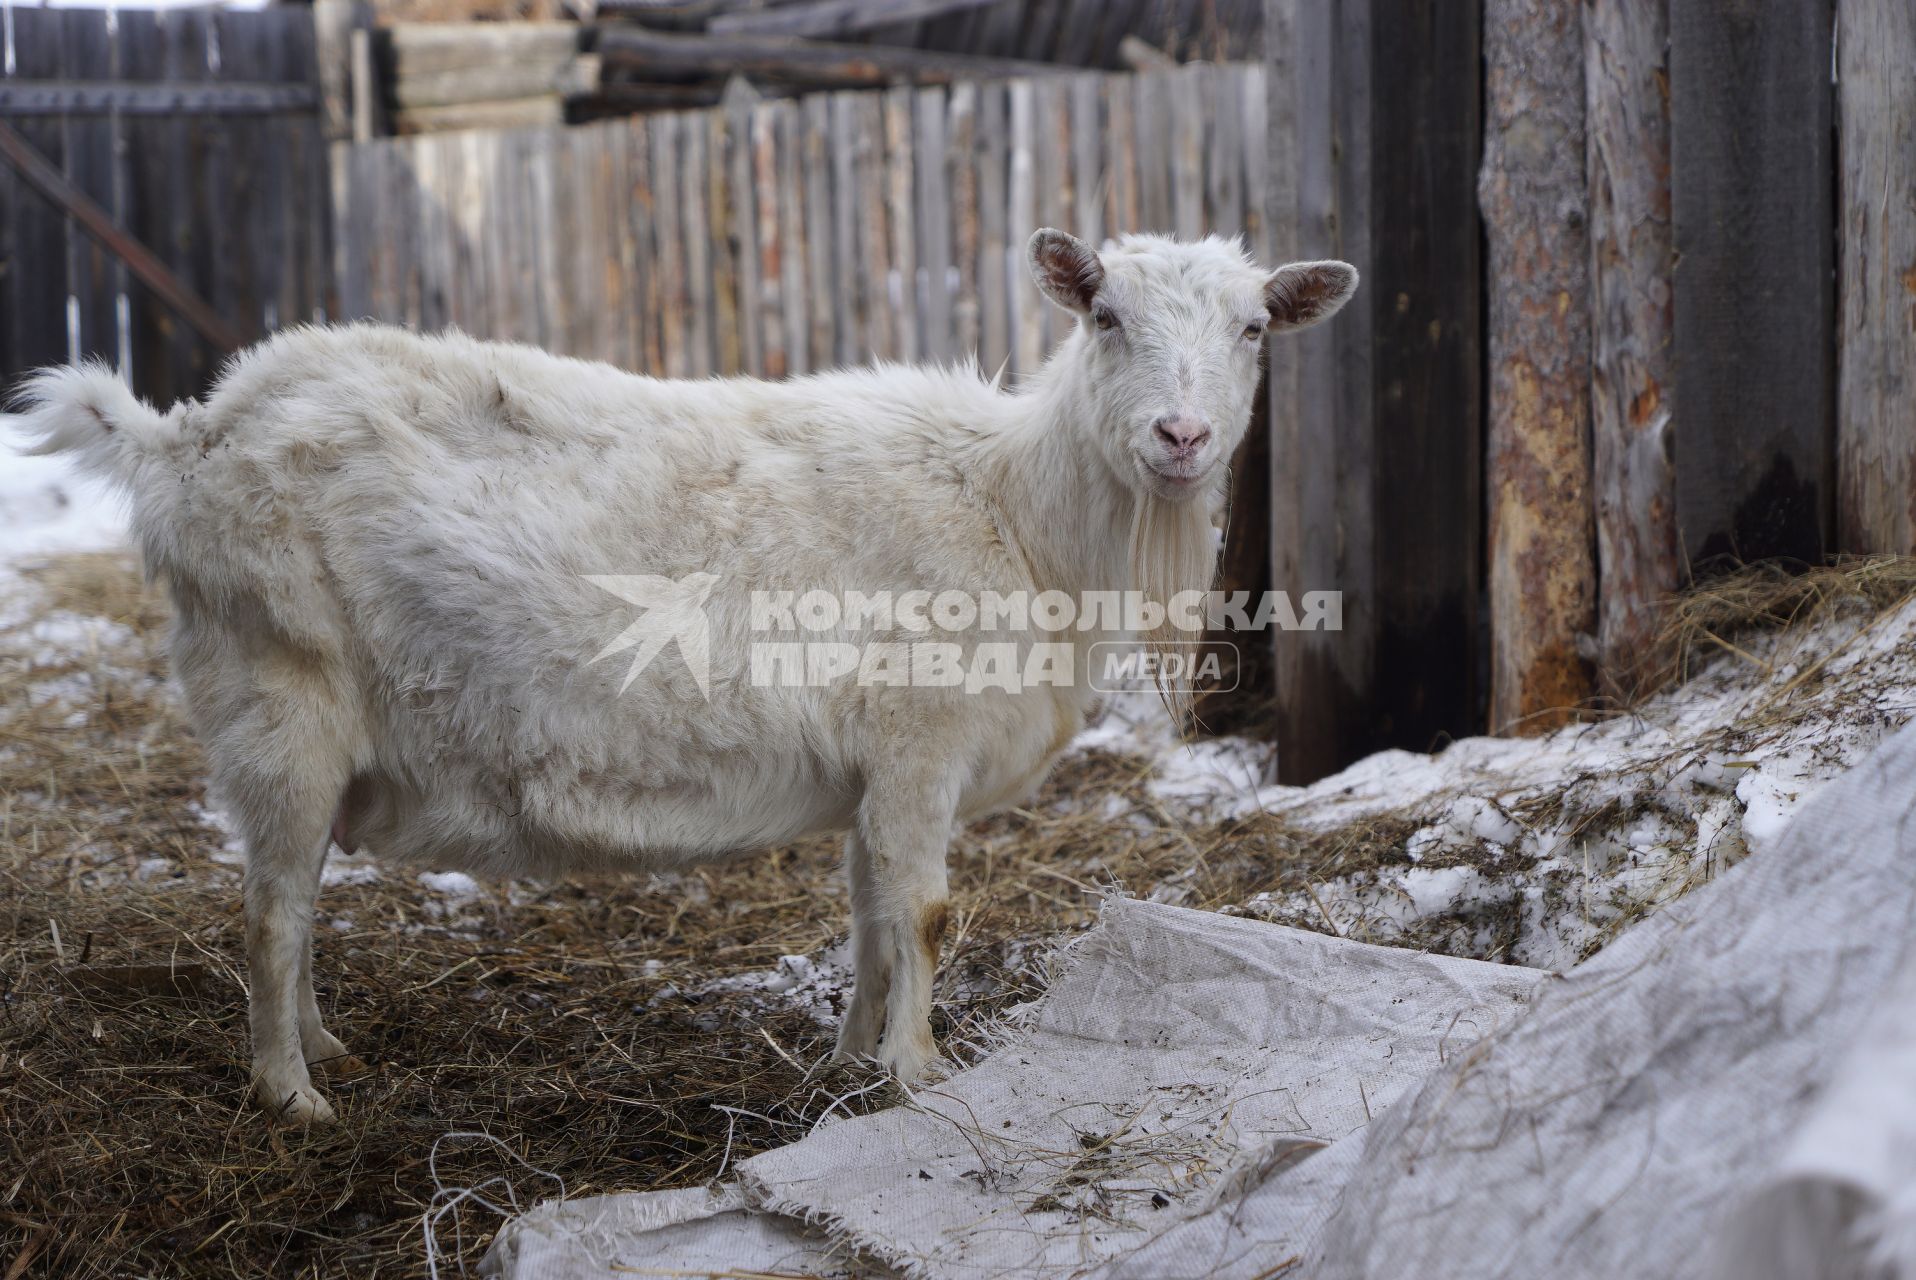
<point>196,131</point>
<point>777,237</point>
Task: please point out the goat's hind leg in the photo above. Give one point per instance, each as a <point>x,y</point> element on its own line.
<point>281,772</point>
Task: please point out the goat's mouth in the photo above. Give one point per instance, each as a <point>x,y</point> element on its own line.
<point>1170,479</point>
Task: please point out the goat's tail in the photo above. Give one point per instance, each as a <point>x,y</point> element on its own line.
<point>85,411</point>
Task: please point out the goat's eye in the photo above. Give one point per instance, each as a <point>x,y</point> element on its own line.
<point>1104,318</point>
<point>1254,332</point>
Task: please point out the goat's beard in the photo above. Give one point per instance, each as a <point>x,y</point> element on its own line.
<point>1173,549</point>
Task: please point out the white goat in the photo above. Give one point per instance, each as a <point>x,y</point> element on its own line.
<point>377,544</point>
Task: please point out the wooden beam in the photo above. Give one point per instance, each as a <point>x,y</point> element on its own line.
<point>1632,367</point>
<point>811,62</point>
<point>44,178</point>
<point>1876,433</point>
<point>106,97</point>
<point>572,75</point>
<point>1752,186</point>
<point>834,17</point>
<point>1542,570</point>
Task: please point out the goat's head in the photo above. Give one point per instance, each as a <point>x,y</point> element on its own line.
<point>1172,333</point>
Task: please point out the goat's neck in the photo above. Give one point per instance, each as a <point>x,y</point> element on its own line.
<point>1064,508</point>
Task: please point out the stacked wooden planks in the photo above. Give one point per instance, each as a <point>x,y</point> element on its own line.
<point>484,75</point>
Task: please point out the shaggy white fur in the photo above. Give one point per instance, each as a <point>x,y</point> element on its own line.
<point>379,546</point>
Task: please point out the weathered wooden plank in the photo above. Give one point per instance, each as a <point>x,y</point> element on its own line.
<point>1259,179</point>
<point>787,197</point>
<point>848,304</point>
<point>723,223</point>
<point>421,48</point>
<point>668,249</point>
<point>1424,302</point>
<point>770,229</point>
<point>961,175</point>
<point>87,53</point>
<point>834,17</point>
<point>1542,577</point>
<point>1639,559</point>
<point>1224,154</point>
<point>824,286</point>
<point>1051,171</point>
<point>1876,436</point>
<point>544,111</point>
<point>1752,181</point>
<point>39,289</point>
<point>994,299</point>
<point>1189,90</point>
<point>933,195</point>
<point>571,76</point>
<point>1027,306</point>
<point>1153,124</point>
<point>1322,679</point>
<point>806,62</point>
<point>695,195</point>
<point>901,284</point>
<point>874,235</point>
<point>1087,165</point>
<point>1121,157</point>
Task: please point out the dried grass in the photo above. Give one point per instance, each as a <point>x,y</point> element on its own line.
<point>553,1018</point>
<point>1707,618</point>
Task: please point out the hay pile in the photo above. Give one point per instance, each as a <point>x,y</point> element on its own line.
<point>605,1037</point>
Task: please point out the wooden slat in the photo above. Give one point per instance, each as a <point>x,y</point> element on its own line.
<point>1189,89</point>
<point>994,300</point>
<point>1027,306</point>
<point>1121,212</point>
<point>659,55</point>
<point>1876,440</point>
<point>934,200</point>
<point>1632,374</point>
<point>848,325</point>
<point>774,354</point>
<point>961,170</point>
<point>1152,92</point>
<point>695,200</point>
<point>668,247</point>
<point>873,259</point>
<point>1051,170</point>
<point>901,215</point>
<point>1751,187</point>
<point>824,285</point>
<point>1087,162</point>
<point>723,221</point>
<point>37,283</point>
<point>88,141</point>
<point>788,204</point>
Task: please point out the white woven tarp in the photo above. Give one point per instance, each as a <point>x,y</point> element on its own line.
<point>1729,1088</point>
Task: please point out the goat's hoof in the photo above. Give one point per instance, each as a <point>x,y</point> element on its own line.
<point>299,1106</point>
<point>906,1059</point>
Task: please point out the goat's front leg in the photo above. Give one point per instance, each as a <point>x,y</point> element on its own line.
<point>899,912</point>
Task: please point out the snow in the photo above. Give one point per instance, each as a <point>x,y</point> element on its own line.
<point>45,508</point>
<point>1538,850</point>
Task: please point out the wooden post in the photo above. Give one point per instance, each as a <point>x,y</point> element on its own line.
<point>1542,572</point>
<point>1372,132</point>
<point>1752,187</point>
<point>1876,435</point>
<point>1626,72</point>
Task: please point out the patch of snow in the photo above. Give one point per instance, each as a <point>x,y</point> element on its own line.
<point>820,985</point>
<point>454,884</point>
<point>47,508</point>
<point>1537,850</point>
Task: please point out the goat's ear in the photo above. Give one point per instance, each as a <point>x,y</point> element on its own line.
<point>1301,294</point>
<point>1066,269</point>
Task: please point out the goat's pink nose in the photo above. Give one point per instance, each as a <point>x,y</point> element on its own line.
<point>1182,433</point>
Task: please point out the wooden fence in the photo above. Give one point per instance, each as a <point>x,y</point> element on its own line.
<point>778,237</point>
<point>196,132</point>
